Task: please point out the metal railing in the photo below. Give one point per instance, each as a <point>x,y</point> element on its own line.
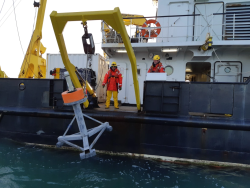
<point>220,27</point>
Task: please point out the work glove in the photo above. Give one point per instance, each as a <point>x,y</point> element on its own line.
<point>103,85</point>
<point>120,87</point>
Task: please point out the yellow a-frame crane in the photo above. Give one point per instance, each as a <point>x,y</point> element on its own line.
<point>34,66</point>
<point>112,18</point>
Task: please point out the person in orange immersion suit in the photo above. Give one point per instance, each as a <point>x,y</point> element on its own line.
<point>113,79</point>
<point>156,65</point>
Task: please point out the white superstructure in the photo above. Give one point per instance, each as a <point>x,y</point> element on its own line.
<point>185,25</point>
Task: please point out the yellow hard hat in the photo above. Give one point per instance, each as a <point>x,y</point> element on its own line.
<point>156,57</point>
<point>113,64</point>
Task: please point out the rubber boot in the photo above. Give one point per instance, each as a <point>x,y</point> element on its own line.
<point>115,97</point>
<point>109,95</point>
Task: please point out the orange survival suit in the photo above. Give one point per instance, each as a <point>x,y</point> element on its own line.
<point>113,79</point>
<point>156,68</point>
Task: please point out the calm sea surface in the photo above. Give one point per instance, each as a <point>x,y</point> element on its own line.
<point>29,166</point>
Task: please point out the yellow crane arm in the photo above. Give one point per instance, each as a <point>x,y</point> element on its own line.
<point>34,66</point>
<point>112,18</point>
<point>2,74</point>
<point>140,21</point>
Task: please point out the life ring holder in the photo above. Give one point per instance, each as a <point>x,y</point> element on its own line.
<point>145,33</point>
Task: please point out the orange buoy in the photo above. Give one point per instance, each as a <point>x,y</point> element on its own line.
<point>69,97</point>
<point>153,33</point>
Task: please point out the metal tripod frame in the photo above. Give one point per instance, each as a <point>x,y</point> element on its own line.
<point>83,135</point>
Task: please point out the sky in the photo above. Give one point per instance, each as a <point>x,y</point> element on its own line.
<point>10,48</point>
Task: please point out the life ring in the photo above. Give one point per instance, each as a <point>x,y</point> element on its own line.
<point>153,33</point>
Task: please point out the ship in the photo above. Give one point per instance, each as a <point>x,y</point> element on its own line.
<point>196,111</point>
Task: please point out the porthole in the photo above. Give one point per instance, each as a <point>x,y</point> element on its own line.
<point>21,86</point>
<point>227,70</point>
<point>169,70</point>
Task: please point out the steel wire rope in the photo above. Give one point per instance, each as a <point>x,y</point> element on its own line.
<point>89,70</point>
<point>85,75</point>
<point>9,14</point>
<point>203,71</point>
<point>17,27</point>
<point>2,7</point>
<point>100,79</point>
<point>26,62</point>
<point>101,73</point>
<point>216,55</point>
<point>206,18</point>
<point>86,72</point>
<point>8,11</point>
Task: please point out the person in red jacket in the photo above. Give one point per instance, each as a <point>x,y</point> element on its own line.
<point>156,65</point>
<point>113,79</point>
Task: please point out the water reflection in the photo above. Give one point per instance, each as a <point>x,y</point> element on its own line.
<point>29,166</point>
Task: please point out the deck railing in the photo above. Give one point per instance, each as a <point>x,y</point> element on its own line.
<point>221,26</point>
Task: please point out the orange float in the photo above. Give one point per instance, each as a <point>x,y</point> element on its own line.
<point>153,33</point>
<point>69,97</point>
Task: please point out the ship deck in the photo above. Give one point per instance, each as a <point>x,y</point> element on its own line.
<point>131,109</point>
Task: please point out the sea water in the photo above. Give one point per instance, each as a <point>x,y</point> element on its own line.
<point>30,166</point>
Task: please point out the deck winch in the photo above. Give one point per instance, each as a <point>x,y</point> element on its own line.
<point>75,97</point>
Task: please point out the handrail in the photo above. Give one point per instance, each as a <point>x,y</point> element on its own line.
<point>228,13</point>
<point>182,15</point>
<point>198,27</point>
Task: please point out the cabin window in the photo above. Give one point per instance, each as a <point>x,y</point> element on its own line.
<point>198,72</point>
<point>169,70</point>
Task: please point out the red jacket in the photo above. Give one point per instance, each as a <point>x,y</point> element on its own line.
<point>156,68</point>
<point>113,78</point>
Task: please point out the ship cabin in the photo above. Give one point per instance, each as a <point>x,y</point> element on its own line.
<point>199,41</point>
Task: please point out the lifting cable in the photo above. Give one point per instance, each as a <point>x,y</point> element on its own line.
<point>9,14</point>
<point>100,79</point>
<point>216,55</point>
<point>17,27</point>
<point>2,7</point>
